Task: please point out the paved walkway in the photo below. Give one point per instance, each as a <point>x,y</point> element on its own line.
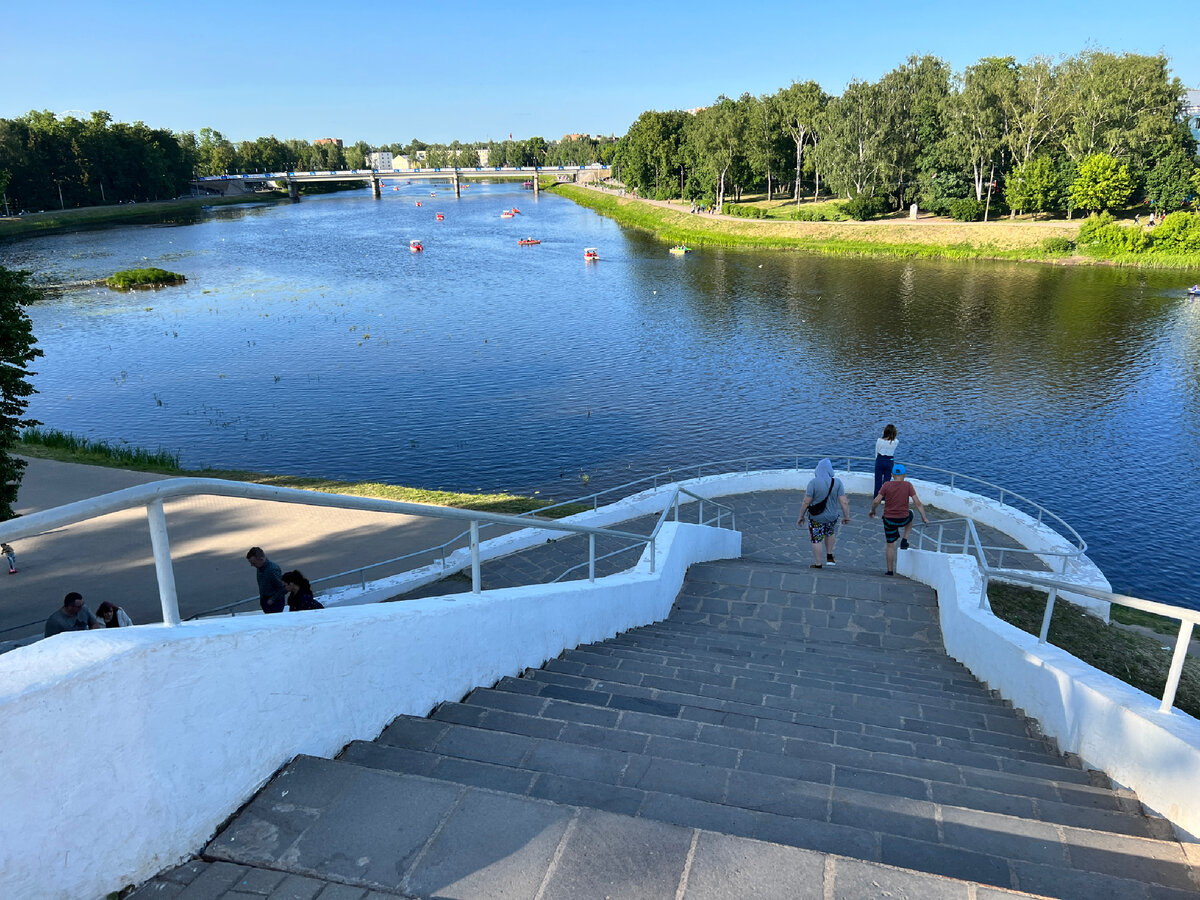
<point>110,558</point>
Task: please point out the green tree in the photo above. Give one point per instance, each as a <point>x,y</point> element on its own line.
<point>1035,109</point>
<point>914,96</point>
<point>1123,105</point>
<point>977,128</point>
<point>716,138</point>
<point>1102,183</point>
<point>650,158</point>
<point>800,107</point>
<point>17,351</point>
<point>851,151</point>
<point>1034,186</point>
<point>1170,181</point>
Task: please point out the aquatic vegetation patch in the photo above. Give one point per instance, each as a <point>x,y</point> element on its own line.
<point>129,279</point>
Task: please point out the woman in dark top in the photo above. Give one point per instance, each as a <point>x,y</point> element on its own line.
<point>299,592</point>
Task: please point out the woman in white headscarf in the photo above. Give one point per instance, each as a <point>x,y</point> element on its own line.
<point>822,497</point>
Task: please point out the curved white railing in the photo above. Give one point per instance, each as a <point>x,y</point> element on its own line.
<point>971,544</point>
<point>152,496</point>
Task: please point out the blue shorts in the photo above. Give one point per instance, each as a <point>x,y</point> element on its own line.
<point>891,527</point>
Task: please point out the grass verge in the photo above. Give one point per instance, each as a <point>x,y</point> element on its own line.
<point>1000,239</point>
<point>132,213</point>
<point>1136,659</point>
<point>65,447</point>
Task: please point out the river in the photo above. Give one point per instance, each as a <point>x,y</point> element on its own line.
<point>310,340</point>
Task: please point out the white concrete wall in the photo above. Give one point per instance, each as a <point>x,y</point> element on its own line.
<point>122,751</point>
<point>1112,726</point>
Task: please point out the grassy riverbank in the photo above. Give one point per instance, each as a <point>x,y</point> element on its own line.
<point>64,447</point>
<point>125,214</point>
<point>1136,658</point>
<point>1043,242</point>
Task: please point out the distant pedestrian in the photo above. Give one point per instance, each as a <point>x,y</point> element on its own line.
<point>885,452</point>
<point>11,555</point>
<point>1137,220</point>
<point>113,616</point>
<point>894,495</point>
<point>1151,220</point>
<point>73,616</point>
<point>822,497</point>
<point>299,592</point>
<point>271,593</point>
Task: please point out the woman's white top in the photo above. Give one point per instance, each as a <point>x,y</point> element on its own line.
<point>886,448</point>
<point>123,619</point>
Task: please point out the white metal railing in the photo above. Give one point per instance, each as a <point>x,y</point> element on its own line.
<point>743,464</point>
<point>152,496</point>
<point>972,545</point>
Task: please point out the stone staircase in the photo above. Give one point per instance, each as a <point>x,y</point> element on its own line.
<point>785,732</point>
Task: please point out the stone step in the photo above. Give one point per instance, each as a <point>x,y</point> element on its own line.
<point>633,732</point>
<point>851,716</point>
<point>668,663</point>
<point>852,821</point>
<point>362,829</point>
<point>521,696</point>
<point>771,649</point>
<point>815,731</point>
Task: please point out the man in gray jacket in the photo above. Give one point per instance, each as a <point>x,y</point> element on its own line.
<point>271,592</point>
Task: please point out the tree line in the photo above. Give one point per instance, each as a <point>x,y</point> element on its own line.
<point>47,162</point>
<point>1093,132</point>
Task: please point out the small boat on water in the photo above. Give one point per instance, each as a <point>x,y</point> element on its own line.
<point>415,246</point>
<point>418,203</point>
<point>506,215</point>
<point>433,193</point>
<point>1194,290</point>
<point>514,211</point>
<point>528,242</point>
<point>680,249</point>
<point>591,254</point>
<point>441,217</point>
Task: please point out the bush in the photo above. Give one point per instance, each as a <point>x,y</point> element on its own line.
<point>745,212</point>
<point>863,207</point>
<point>128,279</point>
<point>1179,232</point>
<point>829,212</point>
<point>1058,246</point>
<point>966,209</point>
<point>1091,225</point>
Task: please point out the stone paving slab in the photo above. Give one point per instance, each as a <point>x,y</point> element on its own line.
<point>489,845</point>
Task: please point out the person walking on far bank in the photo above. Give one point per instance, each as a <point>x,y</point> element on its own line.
<point>894,496</point>
<point>885,452</point>
<point>271,592</point>
<point>822,497</point>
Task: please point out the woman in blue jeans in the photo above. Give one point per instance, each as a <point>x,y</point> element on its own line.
<point>885,453</point>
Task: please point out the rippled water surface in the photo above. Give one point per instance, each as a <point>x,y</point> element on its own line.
<point>310,340</point>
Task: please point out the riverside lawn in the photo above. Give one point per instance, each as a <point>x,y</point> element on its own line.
<point>997,239</point>
<point>61,446</point>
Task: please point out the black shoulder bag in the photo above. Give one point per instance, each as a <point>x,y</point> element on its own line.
<point>817,508</point>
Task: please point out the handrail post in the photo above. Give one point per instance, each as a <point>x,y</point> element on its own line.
<point>652,552</point>
<point>1045,632</point>
<point>162,562</point>
<point>701,514</point>
<point>983,598</point>
<point>591,556</point>
<point>1181,650</point>
<point>475,581</point>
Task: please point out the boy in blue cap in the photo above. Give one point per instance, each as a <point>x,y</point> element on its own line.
<point>894,495</point>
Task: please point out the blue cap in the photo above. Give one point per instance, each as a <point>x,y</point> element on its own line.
<point>898,469</point>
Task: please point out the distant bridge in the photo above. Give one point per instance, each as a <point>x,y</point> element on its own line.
<point>228,184</point>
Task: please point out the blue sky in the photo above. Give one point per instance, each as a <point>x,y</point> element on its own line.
<point>384,72</point>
